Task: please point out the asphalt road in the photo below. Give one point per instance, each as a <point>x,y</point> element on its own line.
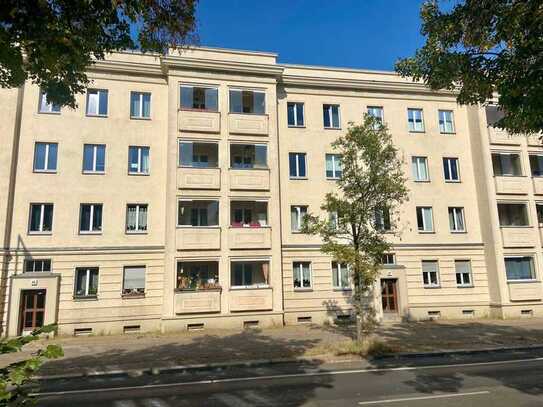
<point>498,380</point>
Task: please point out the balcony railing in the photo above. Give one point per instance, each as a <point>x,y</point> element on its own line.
<point>518,236</point>
<point>250,179</point>
<point>249,238</point>
<point>251,299</point>
<point>512,185</point>
<point>198,178</point>
<point>201,121</point>
<point>197,301</point>
<point>198,238</point>
<point>243,123</point>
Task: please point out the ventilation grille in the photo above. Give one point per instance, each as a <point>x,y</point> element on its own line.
<point>195,327</point>
<point>82,331</point>
<point>130,329</point>
<point>527,313</point>
<point>434,314</point>
<point>469,313</point>
<point>304,320</point>
<point>250,324</point>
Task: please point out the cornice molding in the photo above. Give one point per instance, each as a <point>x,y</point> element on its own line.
<point>224,66</point>
<point>127,67</point>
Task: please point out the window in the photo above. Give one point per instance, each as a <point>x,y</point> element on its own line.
<point>377,113</point>
<point>94,158</point>
<point>297,165</point>
<point>37,266</point>
<point>506,164</point>
<point>340,276</point>
<point>86,282</point>
<point>536,165</point>
<point>389,259</point>
<point>134,280</point>
<point>90,220</point>
<point>463,273</point>
<point>297,214</point>
<point>446,121</point>
<point>97,102</point>
<point>519,268</point>
<point>248,156</point>
<point>415,120</point>
<point>513,214</point>
<point>301,274</point>
<point>539,209</point>
<point>248,214</point>
<point>456,219</point>
<point>45,157</point>
<point>425,221</point>
<point>450,169</point>
<point>333,166</point>
<point>295,114</point>
<point>249,274</point>
<point>331,116</point>
<point>140,105</point>
<point>198,155</point>
<point>382,219</point>
<point>419,166</point>
<point>41,218</point>
<point>47,107</point>
<point>333,220</point>
<point>138,160</point>
<point>198,275</point>
<point>200,98</point>
<point>136,218</point>
<point>430,273</point>
<point>247,101</point>
<point>198,213</point>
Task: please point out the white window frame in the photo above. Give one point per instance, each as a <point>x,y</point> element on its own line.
<point>393,256</point>
<point>456,273</point>
<point>34,261</point>
<point>380,116</point>
<point>42,215</point>
<point>139,171</point>
<point>448,160</point>
<point>302,288</point>
<point>298,176</point>
<point>340,271</point>
<point>417,159</point>
<point>444,130</point>
<point>299,217</point>
<point>437,284</point>
<point>411,119</point>
<point>91,219</point>
<point>97,113</point>
<point>48,106</point>
<point>210,199</point>
<point>138,207</point>
<point>244,262</point>
<point>336,165</point>
<point>458,213</point>
<point>94,158</point>
<point>140,115</point>
<point>143,289</point>
<point>87,282</point>
<point>534,266</point>
<point>235,89</point>
<point>296,104</point>
<point>425,230</point>
<point>330,116</point>
<point>46,160</point>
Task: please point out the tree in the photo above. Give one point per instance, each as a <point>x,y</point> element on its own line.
<point>53,42</point>
<point>15,377</point>
<point>482,48</point>
<point>372,184</point>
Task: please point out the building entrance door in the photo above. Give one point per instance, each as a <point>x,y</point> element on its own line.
<point>32,310</point>
<point>389,295</point>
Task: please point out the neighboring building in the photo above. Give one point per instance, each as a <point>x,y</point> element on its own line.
<point>171,199</point>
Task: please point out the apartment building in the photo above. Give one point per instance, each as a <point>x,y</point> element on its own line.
<point>171,198</point>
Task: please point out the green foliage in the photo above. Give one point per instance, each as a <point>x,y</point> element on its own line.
<point>15,377</point>
<point>484,47</point>
<point>53,42</point>
<point>372,181</point>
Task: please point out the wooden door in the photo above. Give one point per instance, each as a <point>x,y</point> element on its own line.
<point>389,295</point>
<point>32,310</point>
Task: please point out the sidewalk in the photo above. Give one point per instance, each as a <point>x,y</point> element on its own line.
<point>84,355</point>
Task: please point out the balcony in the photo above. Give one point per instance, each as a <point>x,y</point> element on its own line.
<point>197,301</point>
<point>518,236</point>
<point>198,238</point>
<point>524,290</point>
<point>249,238</point>
<point>249,179</point>
<point>498,136</point>
<point>198,178</point>
<point>251,299</point>
<point>250,124</point>
<point>511,184</point>
<point>200,121</point>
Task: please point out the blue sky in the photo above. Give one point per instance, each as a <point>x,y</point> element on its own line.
<point>370,34</point>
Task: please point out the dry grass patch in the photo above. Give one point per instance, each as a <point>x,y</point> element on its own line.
<point>373,347</point>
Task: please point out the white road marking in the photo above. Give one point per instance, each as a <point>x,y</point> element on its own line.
<point>437,396</point>
<point>284,376</point>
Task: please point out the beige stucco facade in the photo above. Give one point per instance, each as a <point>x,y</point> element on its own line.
<point>217,247</point>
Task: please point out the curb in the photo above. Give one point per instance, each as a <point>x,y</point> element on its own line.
<point>264,362</point>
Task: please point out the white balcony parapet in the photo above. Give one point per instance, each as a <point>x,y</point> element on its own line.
<point>198,238</point>
<point>251,299</point>
<point>198,178</point>
<point>254,124</point>
<point>199,121</point>
<point>197,301</point>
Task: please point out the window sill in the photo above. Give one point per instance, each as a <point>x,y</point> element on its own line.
<point>432,287</point>
<point>102,116</point>
<point>191,109</point>
<point>427,232</point>
<point>139,174</point>
<point>143,232</point>
<point>196,290</point>
<point>85,297</point>
<point>332,128</point>
<point>298,178</point>
<point>303,289</point>
<point>421,181</point>
<point>250,169</point>
<point>248,287</point>
<point>332,179</point>
<point>510,176</point>
<point>93,172</point>
<point>447,181</point>
<point>339,289</point>
<point>515,226</point>
<point>195,167</point>
<point>50,113</point>
<point>82,232</point>
<point>527,281</point>
<point>297,232</point>
<point>465,286</point>
<point>197,227</point>
<point>40,233</point>
<point>140,118</point>
<point>417,131</point>
<point>448,133</point>
<point>130,296</point>
<point>291,126</point>
<point>249,114</point>
<point>459,232</point>
<point>44,171</point>
<point>249,227</point>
